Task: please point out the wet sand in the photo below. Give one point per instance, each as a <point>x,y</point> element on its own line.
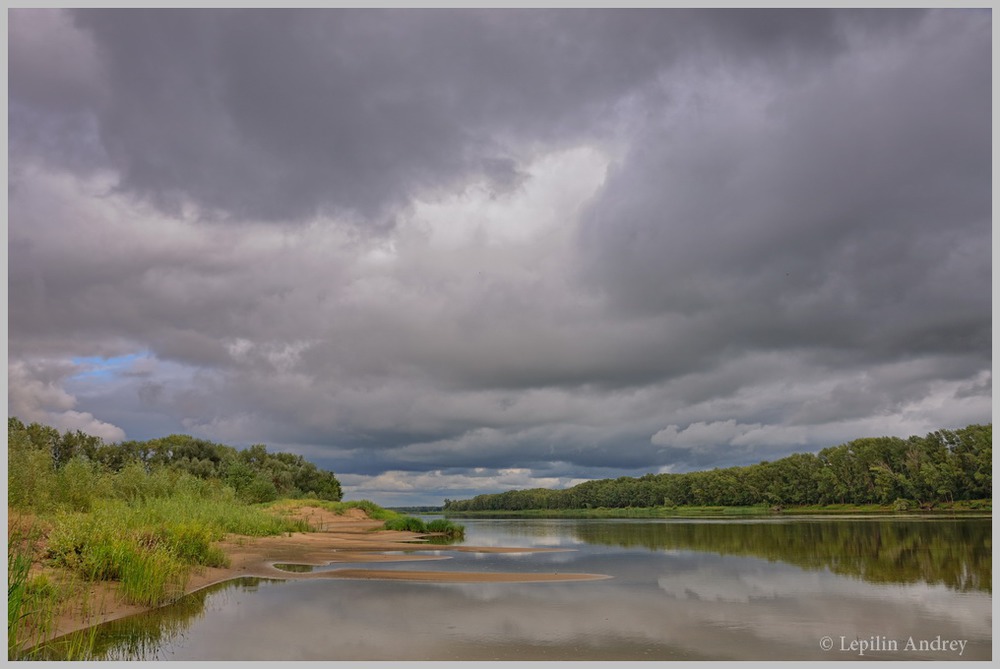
<point>348,538</point>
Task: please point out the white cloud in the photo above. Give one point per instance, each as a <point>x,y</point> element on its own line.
<point>35,395</point>
<point>431,487</point>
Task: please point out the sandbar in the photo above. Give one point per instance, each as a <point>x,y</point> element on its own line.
<point>349,538</point>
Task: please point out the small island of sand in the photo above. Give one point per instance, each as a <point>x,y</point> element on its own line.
<point>349,538</point>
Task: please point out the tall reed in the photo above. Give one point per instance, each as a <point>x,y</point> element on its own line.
<point>33,600</point>
<point>18,605</point>
<point>149,546</point>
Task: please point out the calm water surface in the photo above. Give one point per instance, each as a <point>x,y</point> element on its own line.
<point>812,589</point>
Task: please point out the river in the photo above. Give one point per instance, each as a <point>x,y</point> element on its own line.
<point>761,589</point>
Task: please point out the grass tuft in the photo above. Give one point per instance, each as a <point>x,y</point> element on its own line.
<point>406,524</point>
<point>446,527</point>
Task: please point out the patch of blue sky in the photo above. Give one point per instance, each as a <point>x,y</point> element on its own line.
<point>100,368</point>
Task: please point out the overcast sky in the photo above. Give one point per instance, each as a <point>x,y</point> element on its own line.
<point>448,252</point>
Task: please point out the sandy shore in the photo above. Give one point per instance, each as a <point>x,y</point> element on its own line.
<point>348,538</point>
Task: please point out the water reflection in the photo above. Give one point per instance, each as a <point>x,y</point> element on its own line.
<point>294,568</point>
<point>955,553</point>
<point>147,636</point>
<point>680,590</point>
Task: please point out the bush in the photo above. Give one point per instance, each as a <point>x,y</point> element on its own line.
<point>192,486</point>
<point>406,524</point>
<point>78,484</point>
<point>67,539</point>
<point>31,479</point>
<point>901,505</point>
<point>190,543</point>
<point>134,485</point>
<point>260,491</point>
<point>446,527</point>
<point>130,483</point>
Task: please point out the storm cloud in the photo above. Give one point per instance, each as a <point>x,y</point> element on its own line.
<point>453,251</point>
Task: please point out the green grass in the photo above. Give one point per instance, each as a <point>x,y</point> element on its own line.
<point>19,606</point>
<point>441,528</point>
<point>33,600</point>
<point>447,528</point>
<point>150,545</point>
<point>392,520</point>
<point>371,509</point>
<point>77,522</point>
<point>406,524</point>
<point>152,576</point>
<point>374,511</point>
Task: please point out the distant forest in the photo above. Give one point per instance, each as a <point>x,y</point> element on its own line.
<point>36,453</point>
<point>943,466</point>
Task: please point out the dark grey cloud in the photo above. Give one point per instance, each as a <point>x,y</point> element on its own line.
<point>276,114</point>
<point>842,211</point>
<point>54,86</point>
<point>605,242</point>
<point>272,114</point>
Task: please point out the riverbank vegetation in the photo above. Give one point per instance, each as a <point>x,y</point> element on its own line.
<point>945,468</point>
<point>44,464</point>
<point>142,515</point>
<point>965,508</point>
<point>441,528</point>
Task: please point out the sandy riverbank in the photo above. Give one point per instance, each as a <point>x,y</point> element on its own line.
<point>348,538</point>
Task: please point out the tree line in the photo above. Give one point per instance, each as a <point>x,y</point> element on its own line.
<point>943,466</point>
<point>40,455</point>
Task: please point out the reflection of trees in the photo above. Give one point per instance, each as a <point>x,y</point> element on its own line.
<point>141,637</point>
<point>957,554</point>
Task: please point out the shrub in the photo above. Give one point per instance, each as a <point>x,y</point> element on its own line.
<point>446,527</point>
<point>189,543</point>
<point>31,479</point>
<point>192,486</point>
<point>130,483</point>
<point>259,491</point>
<point>215,557</point>
<point>406,524</point>
<point>67,539</point>
<point>77,483</point>
<point>134,484</point>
